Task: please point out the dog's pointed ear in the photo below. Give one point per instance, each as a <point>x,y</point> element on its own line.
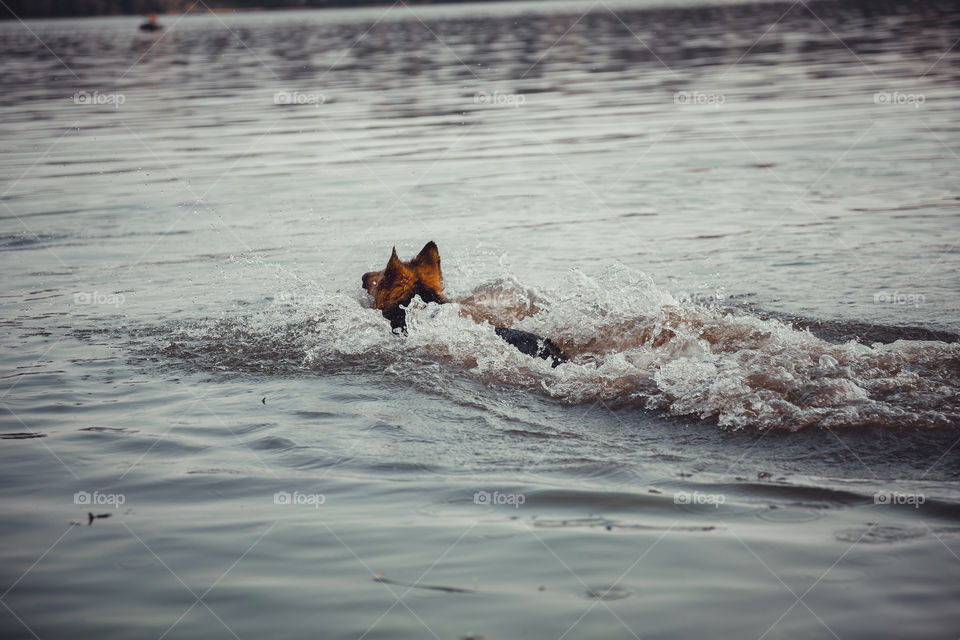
<point>428,258</point>
<point>427,268</point>
<point>394,272</point>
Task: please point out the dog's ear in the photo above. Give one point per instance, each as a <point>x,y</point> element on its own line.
<point>395,272</point>
<point>426,266</point>
<point>428,256</point>
<point>396,285</point>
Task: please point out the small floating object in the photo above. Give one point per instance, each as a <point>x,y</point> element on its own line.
<point>93,516</point>
<point>612,592</point>
<point>151,24</point>
<point>379,577</point>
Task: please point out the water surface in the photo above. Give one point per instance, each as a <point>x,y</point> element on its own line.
<point>739,220</point>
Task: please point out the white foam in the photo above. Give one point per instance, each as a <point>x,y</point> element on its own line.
<point>631,342</point>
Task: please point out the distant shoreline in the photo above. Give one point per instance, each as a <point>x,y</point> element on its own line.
<point>80,9</point>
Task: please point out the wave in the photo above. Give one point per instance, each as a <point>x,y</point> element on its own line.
<point>630,343</point>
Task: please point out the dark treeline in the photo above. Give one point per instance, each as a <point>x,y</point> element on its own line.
<point>52,8</point>
<point>42,8</point>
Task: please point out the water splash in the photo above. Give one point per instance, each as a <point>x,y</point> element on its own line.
<point>630,342</point>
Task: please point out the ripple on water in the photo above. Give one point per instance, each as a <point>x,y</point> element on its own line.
<point>606,592</point>
<point>790,513</point>
<point>891,534</point>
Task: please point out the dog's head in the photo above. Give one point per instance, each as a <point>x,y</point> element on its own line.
<point>399,282</point>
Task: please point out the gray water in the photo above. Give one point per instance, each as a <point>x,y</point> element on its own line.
<point>738,220</point>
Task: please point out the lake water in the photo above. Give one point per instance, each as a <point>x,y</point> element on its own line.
<point>739,221</point>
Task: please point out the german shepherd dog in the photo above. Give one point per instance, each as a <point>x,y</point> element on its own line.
<point>396,285</point>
